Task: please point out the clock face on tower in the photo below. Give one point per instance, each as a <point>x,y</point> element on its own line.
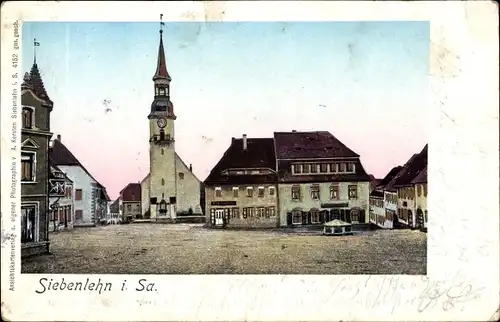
<point>161,123</point>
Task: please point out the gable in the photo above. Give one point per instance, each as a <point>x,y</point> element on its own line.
<point>29,144</point>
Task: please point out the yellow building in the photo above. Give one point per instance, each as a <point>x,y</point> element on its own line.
<point>420,183</point>
<point>171,188</point>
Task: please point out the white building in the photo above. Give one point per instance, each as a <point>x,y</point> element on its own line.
<point>90,197</point>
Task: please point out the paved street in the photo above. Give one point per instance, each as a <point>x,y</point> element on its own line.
<point>192,249</point>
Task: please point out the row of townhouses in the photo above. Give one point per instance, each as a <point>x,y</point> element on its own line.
<point>400,199</point>
<point>293,179</point>
<point>57,192</point>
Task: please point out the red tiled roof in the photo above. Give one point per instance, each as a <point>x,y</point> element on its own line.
<point>161,67</point>
<point>412,168</point>
<point>61,155</point>
<point>258,154</point>
<point>132,192</point>
<point>302,145</point>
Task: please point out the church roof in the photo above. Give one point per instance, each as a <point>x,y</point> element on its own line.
<point>161,66</point>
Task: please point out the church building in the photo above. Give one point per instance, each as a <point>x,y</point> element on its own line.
<point>170,188</point>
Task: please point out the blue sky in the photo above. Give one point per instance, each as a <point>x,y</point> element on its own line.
<point>366,82</point>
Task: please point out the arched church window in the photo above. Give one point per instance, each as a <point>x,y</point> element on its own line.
<point>162,181</point>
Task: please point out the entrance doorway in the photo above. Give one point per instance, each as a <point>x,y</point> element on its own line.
<point>219,217</point>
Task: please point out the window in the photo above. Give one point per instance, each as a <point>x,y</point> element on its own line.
<point>248,211</point>
<point>29,224</point>
<point>27,118</point>
<point>353,192</point>
<point>332,167</point>
<point>129,207</point>
<point>78,194</point>
<point>296,168</point>
<point>350,167</point>
<point>162,152</point>
<point>425,216</point>
<point>342,167</point>
<point>334,192</point>
<point>162,181</point>
<point>305,168</point>
<point>78,214</point>
<point>425,190</point>
<point>295,192</point>
<point>314,168</point>
<point>314,216</point>
<point>323,167</point>
<point>296,217</point>
<point>69,214</point>
<point>181,175</point>
<point>249,192</point>
<point>28,166</point>
<point>235,192</point>
<point>161,91</point>
<point>262,212</point>
<point>315,192</point>
<point>261,192</point>
<point>69,192</point>
<point>419,190</point>
<point>271,191</point>
<point>354,215</point>
<point>235,212</point>
<point>271,211</point>
<point>218,192</point>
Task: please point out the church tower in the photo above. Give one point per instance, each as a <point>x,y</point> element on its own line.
<point>162,157</point>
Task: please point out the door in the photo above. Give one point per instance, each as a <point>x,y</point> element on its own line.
<point>219,217</point>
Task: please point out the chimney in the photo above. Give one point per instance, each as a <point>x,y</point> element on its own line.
<point>59,137</point>
<point>244,136</point>
<point>190,167</point>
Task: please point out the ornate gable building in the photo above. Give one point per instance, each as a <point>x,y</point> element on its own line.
<point>171,186</point>
<point>35,169</point>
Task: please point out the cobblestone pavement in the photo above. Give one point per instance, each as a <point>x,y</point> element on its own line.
<point>192,249</point>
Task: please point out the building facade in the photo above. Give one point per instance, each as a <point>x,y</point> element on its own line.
<point>34,168</point>
<point>90,197</point>
<point>420,183</point>
<point>241,189</point>
<point>319,179</point>
<point>406,189</point>
<point>173,188</point>
<point>383,202</point>
<point>130,198</point>
<point>62,215</point>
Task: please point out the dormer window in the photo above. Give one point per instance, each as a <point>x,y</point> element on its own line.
<point>27,118</point>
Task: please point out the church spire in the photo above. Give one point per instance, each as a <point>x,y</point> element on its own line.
<point>161,67</point>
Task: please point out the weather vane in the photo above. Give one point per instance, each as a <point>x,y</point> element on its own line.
<point>161,23</point>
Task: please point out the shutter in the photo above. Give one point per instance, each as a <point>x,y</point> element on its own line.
<point>289,219</point>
